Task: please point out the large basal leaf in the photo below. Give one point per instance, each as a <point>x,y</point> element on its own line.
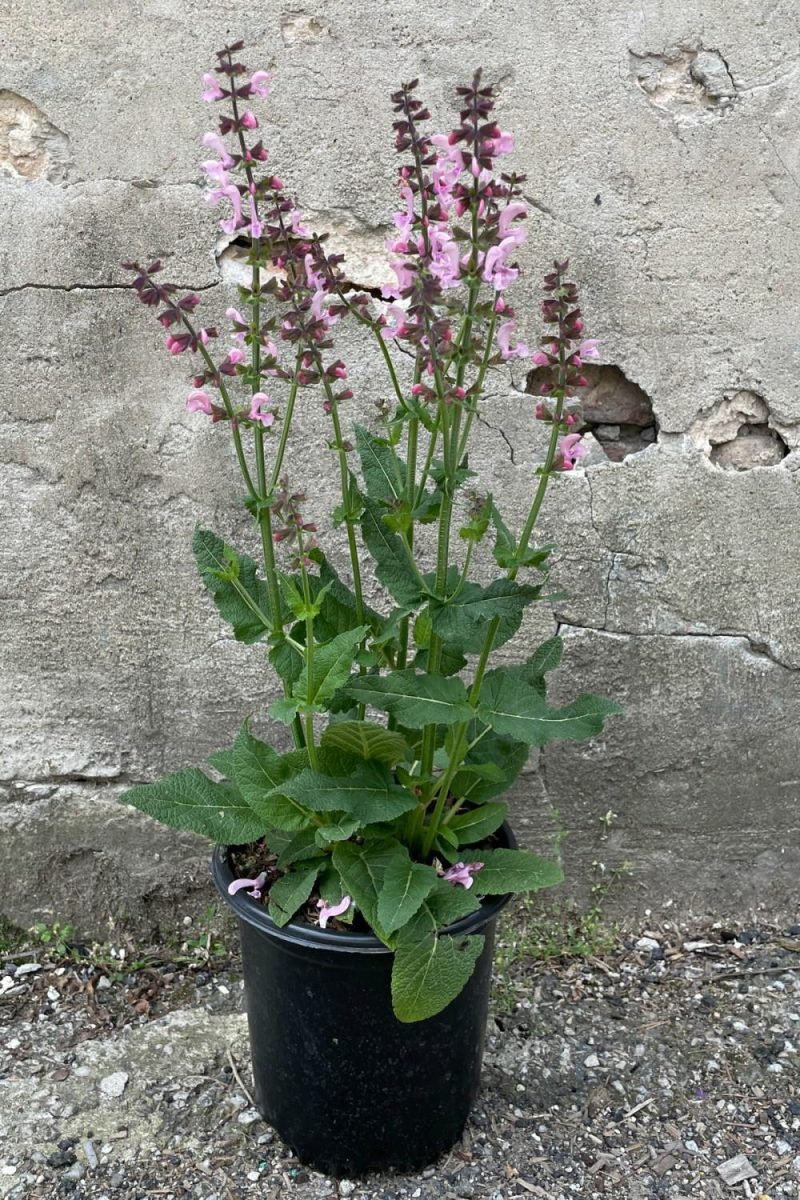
<point>369,793</point>
<point>190,800</point>
<point>392,565</point>
<point>513,871</point>
<point>430,968</point>
<point>405,885</point>
<point>449,902</point>
<point>366,740</point>
<point>259,770</point>
<point>291,891</point>
<point>383,470</point>
<point>361,869</point>
<point>464,618</point>
<point>231,578</point>
<point>515,708</point>
<point>415,700</point>
<point>299,847</point>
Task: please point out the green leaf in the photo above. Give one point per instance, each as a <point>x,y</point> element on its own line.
<point>361,869</point>
<point>329,886</point>
<point>449,902</point>
<point>392,559</point>
<point>384,471</point>
<point>474,824</point>
<point>366,740</point>
<point>287,661</point>
<point>222,761</point>
<point>337,829</point>
<point>240,596</point>
<point>259,770</point>
<point>330,667</point>
<point>301,845</point>
<point>505,545</point>
<point>545,658</point>
<point>368,793</point>
<point>430,968</point>
<point>504,753</point>
<point>513,871</point>
<point>416,700</point>
<point>517,709</point>
<point>190,800</point>
<point>463,619</point>
<point>291,891</point>
<point>405,886</point>
<point>339,611</point>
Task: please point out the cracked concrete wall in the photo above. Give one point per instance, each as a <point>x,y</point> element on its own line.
<point>661,152</point>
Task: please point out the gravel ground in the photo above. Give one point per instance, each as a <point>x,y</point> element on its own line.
<point>666,1067</point>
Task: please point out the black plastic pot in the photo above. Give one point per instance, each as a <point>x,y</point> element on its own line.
<point>349,1087</point>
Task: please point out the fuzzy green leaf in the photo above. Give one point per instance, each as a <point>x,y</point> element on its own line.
<point>383,470</point>
<point>415,700</point>
<point>368,793</point>
<point>240,596</point>
<point>336,829</point>
<point>330,667</point>
<point>392,563</point>
<point>300,846</point>
<point>361,869</point>
<point>519,710</point>
<point>430,968</point>
<point>259,770</point>
<point>463,619</point>
<point>366,740</point>
<point>190,800</point>
<point>291,891</point>
<point>513,871</point>
<point>405,886</point>
<point>474,824</point>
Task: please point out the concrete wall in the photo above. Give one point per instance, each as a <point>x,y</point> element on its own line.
<point>660,144</point>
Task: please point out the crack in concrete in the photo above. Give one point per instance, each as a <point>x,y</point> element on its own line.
<point>501,431</point>
<point>755,645</point>
<point>95,287</point>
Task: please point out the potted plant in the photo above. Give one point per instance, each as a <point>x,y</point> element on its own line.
<point>366,854</point>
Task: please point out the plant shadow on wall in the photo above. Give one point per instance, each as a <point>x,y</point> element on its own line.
<point>377,847</point>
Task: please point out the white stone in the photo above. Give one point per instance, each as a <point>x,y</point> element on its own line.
<point>114,1085</point>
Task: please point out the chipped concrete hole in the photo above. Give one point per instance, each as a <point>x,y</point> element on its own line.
<point>614,409</point>
<point>31,147</point>
<point>738,433</point>
<point>688,82</point>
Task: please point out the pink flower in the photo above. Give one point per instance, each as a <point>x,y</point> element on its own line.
<point>504,334</point>
<point>588,349</point>
<point>212,90</point>
<point>444,258</point>
<point>256,228</point>
<point>495,269</point>
<point>462,873</point>
<point>236,356</point>
<point>570,449</point>
<point>259,84</point>
<point>215,143</point>
<point>539,358</point>
<point>257,412</point>
<point>326,911</point>
<point>215,170</point>
<point>248,120</point>
<point>231,192</point>
<point>255,884</point>
<point>199,402</point>
<point>233,314</point>
<point>503,143</point>
<point>509,214</point>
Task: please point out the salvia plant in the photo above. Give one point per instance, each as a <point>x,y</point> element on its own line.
<point>386,811</point>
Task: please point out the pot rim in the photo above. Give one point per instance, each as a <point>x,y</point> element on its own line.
<point>348,941</point>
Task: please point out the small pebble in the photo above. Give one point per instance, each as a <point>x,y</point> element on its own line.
<point>114,1085</point>
<point>591,1061</point>
<point>346,1187</point>
<point>248,1116</point>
